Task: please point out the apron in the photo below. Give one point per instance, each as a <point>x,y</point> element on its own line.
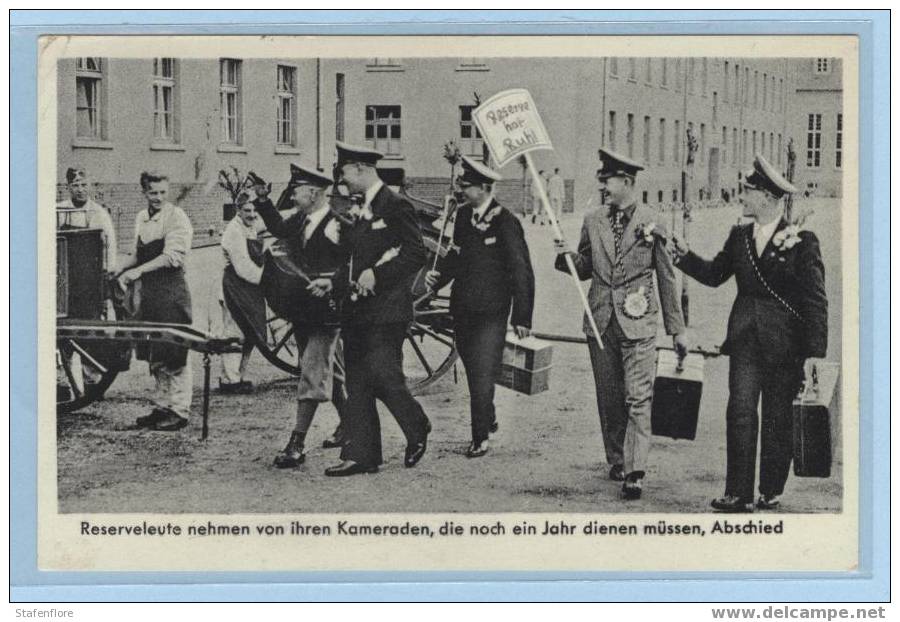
<point>164,297</point>
<point>245,300</point>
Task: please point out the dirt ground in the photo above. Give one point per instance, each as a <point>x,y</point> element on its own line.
<point>547,456</point>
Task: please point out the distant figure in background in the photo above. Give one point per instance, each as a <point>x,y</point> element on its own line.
<point>80,211</point>
<point>778,320</point>
<point>537,205</point>
<point>154,274</point>
<point>491,274</point>
<point>240,298</point>
<point>556,188</point>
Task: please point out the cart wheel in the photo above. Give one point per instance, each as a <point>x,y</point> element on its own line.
<point>80,378</point>
<point>429,351</point>
<point>280,348</point>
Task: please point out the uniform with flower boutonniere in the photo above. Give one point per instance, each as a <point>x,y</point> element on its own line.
<point>778,320</point>
<point>623,251</point>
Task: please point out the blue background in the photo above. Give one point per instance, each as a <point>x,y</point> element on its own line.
<point>869,583</point>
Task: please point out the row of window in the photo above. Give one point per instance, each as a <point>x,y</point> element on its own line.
<point>693,140</point>
<point>814,140</point>
<point>383,124</point>
<point>759,89</point>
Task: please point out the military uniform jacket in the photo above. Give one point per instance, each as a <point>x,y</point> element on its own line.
<point>390,244</point>
<point>610,286</point>
<point>319,255</point>
<point>796,275</point>
<point>492,269</point>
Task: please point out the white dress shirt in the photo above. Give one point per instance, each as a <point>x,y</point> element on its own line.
<point>171,224</point>
<point>234,247</point>
<point>762,234</point>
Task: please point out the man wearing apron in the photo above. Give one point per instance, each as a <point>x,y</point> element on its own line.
<point>155,274</point>
<point>241,299</point>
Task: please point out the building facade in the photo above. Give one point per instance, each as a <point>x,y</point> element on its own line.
<point>190,118</point>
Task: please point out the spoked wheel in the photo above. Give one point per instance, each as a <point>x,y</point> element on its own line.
<point>280,348</point>
<point>80,377</point>
<point>429,351</point>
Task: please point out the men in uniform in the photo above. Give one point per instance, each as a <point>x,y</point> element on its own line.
<point>621,248</point>
<point>386,252</point>
<point>162,239</point>
<point>491,273</point>
<point>778,320</point>
<point>313,235</point>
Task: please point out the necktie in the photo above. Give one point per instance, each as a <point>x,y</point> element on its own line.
<point>618,227</point>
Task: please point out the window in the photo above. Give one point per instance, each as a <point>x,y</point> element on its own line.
<point>690,75</point>
<point>814,140</point>
<point>664,78</point>
<point>611,140</point>
<point>632,69</point>
<point>724,144</point>
<point>644,196</point>
<point>756,89</point>
<point>746,85</point>
<point>230,100</point>
<point>648,70</point>
<point>659,196</point>
<point>765,99</point>
<point>676,143</point>
<point>762,150</point>
<point>468,64</point>
<point>662,140</point>
<point>781,94</point>
<point>704,76</point>
<point>164,112</point>
<point>676,78</point>
<point>702,143</point>
<point>734,146</point>
<point>675,195</point>
<point>646,152</point>
<point>754,152</point>
<point>286,118</point>
<point>383,128</point>
<point>771,146</point>
<point>90,118</point>
<point>772,94</point>
<point>743,147</point>
<point>822,65</point>
<point>725,85</point>
<point>470,141</point>
<point>715,108</point>
<point>629,134</point>
<point>339,104</point>
<point>384,64</point>
<point>614,66</point>
<point>839,141</point>
<point>737,85</point>
<point>779,150</point>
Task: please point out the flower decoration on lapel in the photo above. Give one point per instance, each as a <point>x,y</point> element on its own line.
<point>787,238</point>
<point>484,222</point>
<point>648,232</point>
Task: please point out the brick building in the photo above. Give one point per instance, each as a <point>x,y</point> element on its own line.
<point>190,118</point>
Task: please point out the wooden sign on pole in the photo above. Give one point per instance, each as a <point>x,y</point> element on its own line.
<point>511,127</point>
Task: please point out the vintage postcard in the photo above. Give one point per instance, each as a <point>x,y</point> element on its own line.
<point>448,303</point>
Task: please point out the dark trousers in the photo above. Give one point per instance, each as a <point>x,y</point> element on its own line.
<point>755,373</point>
<point>479,341</point>
<point>374,358</point>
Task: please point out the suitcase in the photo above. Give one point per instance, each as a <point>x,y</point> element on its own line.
<point>676,395</point>
<point>815,422</point>
<point>526,365</point>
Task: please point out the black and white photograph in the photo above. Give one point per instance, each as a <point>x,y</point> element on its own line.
<point>554,281</point>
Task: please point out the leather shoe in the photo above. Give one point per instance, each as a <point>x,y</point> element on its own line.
<point>476,450</point>
<point>335,440</point>
<point>632,488</point>
<point>292,455</point>
<point>768,502</point>
<point>415,451</point>
<point>732,504</point>
<point>349,467</point>
<point>494,427</point>
<point>170,422</point>
<point>617,473</point>
<point>148,421</point>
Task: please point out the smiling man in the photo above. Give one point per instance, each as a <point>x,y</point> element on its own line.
<point>622,247</point>
<point>778,320</point>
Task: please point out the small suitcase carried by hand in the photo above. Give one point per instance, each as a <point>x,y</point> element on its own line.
<point>815,422</point>
<point>676,395</point>
<point>526,365</point>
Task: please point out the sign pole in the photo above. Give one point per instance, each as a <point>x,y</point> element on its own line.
<point>536,179</point>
